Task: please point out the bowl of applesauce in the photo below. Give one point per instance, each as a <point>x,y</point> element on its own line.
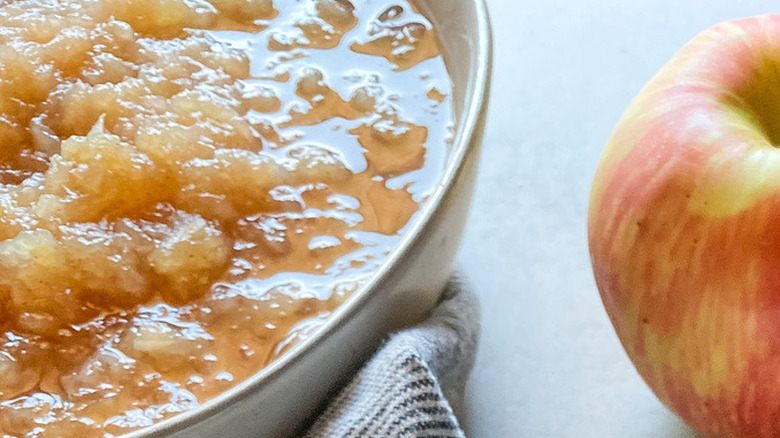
<point>212,211</point>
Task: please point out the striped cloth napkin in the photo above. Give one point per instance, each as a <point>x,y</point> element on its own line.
<point>411,385</point>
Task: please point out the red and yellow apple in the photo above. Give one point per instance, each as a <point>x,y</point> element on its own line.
<point>684,230</point>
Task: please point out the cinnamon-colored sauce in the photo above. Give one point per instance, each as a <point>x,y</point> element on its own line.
<point>190,187</point>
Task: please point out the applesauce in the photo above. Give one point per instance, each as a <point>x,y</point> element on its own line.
<point>190,187</point>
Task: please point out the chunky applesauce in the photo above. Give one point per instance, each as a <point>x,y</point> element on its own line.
<point>190,187</point>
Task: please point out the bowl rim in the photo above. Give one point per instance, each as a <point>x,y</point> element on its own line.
<point>474,113</point>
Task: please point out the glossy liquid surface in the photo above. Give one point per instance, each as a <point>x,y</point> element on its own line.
<point>191,187</point>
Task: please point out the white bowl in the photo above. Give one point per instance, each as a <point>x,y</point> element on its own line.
<point>281,399</point>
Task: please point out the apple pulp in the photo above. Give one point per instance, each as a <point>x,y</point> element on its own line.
<point>684,230</point>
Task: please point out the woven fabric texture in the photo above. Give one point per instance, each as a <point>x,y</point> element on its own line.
<point>410,386</point>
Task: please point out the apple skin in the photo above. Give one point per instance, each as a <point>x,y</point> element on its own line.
<point>684,230</point>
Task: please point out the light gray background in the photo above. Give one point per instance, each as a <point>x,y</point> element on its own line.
<point>549,363</point>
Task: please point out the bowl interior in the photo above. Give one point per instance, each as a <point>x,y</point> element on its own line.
<point>464,33</point>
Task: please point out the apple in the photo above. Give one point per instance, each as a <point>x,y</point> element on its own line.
<point>684,230</point>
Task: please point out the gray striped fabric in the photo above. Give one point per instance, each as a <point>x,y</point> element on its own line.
<point>409,388</point>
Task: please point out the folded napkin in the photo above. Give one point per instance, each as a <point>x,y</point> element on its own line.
<point>410,386</point>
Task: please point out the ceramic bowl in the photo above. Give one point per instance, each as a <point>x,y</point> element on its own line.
<point>281,399</point>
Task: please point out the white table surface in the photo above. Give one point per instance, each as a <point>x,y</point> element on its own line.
<point>550,364</point>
